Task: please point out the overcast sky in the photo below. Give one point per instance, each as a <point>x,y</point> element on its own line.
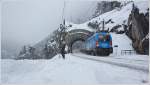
<point>29,21</point>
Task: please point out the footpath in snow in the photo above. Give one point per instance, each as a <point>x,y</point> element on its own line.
<point>72,70</point>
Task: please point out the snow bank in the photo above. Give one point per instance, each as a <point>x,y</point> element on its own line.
<point>143,5</point>
<point>123,42</point>
<point>72,70</point>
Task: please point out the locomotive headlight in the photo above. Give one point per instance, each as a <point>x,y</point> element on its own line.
<point>111,43</point>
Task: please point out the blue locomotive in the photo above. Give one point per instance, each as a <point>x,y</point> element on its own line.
<point>99,44</point>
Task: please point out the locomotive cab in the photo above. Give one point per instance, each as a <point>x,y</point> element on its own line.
<point>99,44</point>
<point>104,44</point>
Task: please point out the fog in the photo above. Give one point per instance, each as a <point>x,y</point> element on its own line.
<point>29,21</point>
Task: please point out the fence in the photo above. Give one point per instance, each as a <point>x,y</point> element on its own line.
<point>125,52</point>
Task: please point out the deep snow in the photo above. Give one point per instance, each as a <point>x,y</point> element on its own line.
<point>123,42</point>
<point>72,70</point>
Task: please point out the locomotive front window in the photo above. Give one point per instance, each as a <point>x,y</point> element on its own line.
<point>104,38</point>
<point>100,36</point>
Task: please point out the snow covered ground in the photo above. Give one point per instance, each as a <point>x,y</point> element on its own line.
<point>72,70</point>
<point>123,42</point>
<point>136,62</point>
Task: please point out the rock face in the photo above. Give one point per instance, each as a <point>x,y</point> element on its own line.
<point>138,30</point>
<point>105,6</point>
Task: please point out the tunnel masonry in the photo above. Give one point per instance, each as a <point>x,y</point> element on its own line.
<point>76,35</point>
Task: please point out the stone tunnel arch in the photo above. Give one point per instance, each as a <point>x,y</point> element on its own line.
<point>71,44</point>
<point>76,35</point>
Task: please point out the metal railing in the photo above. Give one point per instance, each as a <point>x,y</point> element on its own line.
<point>129,52</point>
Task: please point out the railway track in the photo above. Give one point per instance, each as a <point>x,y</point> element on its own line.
<point>115,61</point>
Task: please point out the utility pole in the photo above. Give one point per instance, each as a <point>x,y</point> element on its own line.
<point>63,29</point>
<point>63,14</point>
<point>103,23</point>
<point>62,32</point>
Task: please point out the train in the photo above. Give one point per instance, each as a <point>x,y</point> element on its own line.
<point>99,44</point>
